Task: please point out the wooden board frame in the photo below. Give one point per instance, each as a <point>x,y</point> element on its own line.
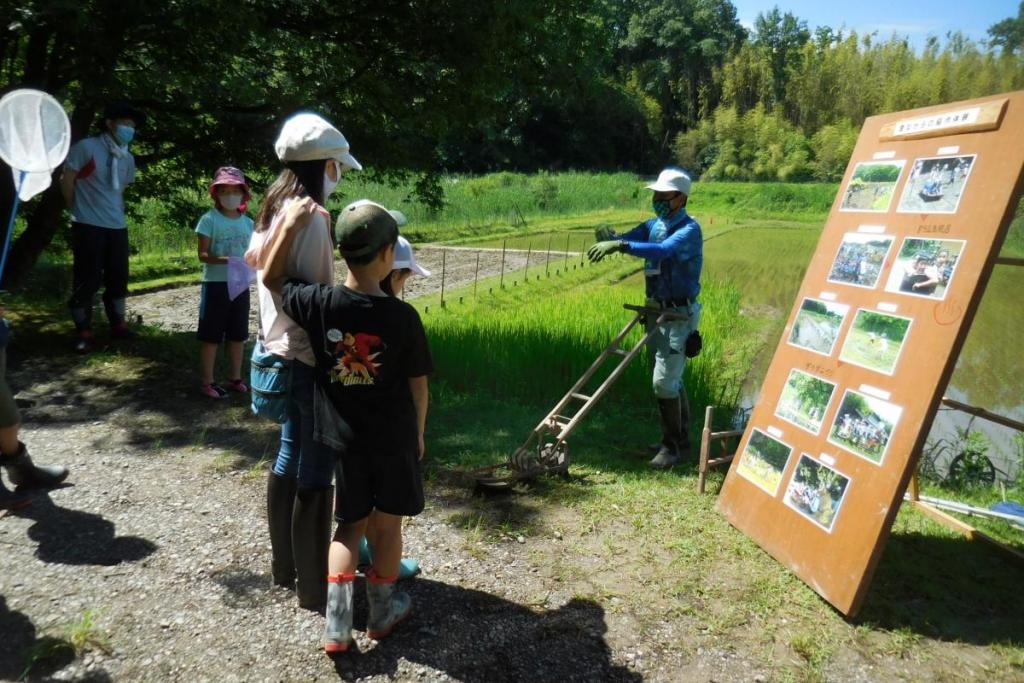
<point>839,565</point>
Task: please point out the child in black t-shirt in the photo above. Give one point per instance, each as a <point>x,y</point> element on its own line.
<point>370,404</point>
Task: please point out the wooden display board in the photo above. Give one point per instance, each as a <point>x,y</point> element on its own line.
<point>873,338</point>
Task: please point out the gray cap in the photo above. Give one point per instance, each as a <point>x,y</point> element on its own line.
<point>364,228</point>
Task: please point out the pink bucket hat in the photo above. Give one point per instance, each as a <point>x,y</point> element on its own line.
<point>229,175</point>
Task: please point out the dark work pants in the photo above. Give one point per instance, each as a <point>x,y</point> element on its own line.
<point>101,258</point>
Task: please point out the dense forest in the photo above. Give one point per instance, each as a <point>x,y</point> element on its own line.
<point>423,88</point>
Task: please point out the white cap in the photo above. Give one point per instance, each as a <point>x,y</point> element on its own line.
<point>395,213</point>
<point>671,180</point>
<point>404,258</point>
<point>307,137</point>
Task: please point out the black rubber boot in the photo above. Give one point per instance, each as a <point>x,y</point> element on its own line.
<point>671,428</point>
<point>311,539</point>
<point>280,504</point>
<point>24,474</point>
<point>684,423</point>
<point>12,501</point>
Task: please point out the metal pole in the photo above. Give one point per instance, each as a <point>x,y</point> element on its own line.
<point>10,223</point>
<point>529,250</point>
<point>547,263</point>
<point>501,278</point>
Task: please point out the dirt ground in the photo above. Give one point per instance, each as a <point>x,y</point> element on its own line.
<point>157,550</point>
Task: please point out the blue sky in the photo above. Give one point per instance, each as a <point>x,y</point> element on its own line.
<point>915,19</point>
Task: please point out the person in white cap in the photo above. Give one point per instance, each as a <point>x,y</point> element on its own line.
<point>672,246</point>
<point>299,490</point>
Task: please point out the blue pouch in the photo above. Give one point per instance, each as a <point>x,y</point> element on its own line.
<point>270,383</point>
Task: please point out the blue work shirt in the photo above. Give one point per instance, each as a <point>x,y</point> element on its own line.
<point>676,247</point>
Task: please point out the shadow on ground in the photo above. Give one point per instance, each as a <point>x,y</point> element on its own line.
<point>452,630</point>
<point>66,536</point>
<point>947,588</point>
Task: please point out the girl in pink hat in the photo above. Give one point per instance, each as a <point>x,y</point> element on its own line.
<point>224,233</point>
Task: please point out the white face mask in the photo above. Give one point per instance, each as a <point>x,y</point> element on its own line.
<point>329,184</point>
<point>230,202</point>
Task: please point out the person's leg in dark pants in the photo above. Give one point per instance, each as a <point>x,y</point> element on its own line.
<point>115,282</point>
<point>86,273</point>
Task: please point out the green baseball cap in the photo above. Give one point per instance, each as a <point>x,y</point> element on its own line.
<point>364,227</point>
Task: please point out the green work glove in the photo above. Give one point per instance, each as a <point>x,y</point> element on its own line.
<point>602,249</point>
<point>603,233</point>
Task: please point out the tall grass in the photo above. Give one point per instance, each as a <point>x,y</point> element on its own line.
<point>534,348</point>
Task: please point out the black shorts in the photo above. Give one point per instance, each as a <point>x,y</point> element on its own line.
<point>220,318</point>
<point>367,481</point>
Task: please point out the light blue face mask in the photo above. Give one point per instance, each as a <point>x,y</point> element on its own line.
<point>662,207</point>
<point>125,134</point>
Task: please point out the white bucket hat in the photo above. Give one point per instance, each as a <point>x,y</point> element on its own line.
<point>404,258</point>
<point>671,180</point>
<point>307,137</point>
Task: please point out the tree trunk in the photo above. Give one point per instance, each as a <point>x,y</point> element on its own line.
<point>43,223</point>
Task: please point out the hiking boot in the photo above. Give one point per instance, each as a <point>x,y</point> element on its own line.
<point>10,500</point>
<point>311,540</point>
<point>388,607</point>
<point>338,628</point>
<point>24,474</point>
<point>280,504</point>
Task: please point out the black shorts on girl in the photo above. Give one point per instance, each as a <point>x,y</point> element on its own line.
<point>220,318</point>
<point>368,480</point>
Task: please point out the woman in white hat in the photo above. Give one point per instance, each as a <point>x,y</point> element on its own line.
<point>299,491</point>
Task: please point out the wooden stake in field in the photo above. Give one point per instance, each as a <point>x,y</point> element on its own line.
<point>547,263</point>
<point>476,275</point>
<point>529,250</point>
<point>444,262</point>
<point>565,263</point>
<point>501,278</point>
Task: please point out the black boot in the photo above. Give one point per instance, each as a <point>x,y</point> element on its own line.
<point>684,423</point>
<point>12,501</point>
<point>23,473</point>
<point>280,504</point>
<point>311,539</point>
<point>671,428</point>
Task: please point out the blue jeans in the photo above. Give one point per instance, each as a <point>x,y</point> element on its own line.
<point>300,457</point>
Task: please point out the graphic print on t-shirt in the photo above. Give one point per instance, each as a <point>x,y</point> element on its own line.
<point>356,355</point>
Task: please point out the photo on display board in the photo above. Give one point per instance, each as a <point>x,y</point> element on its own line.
<point>875,340</point>
<point>817,324</point>
<point>936,184</point>
<point>804,400</point>
<point>763,461</point>
<point>925,267</point>
<point>860,259</point>
<point>872,186</point>
<point>816,491</point>
<point>864,425</point>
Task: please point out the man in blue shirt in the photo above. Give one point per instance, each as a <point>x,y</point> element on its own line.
<point>672,247</point>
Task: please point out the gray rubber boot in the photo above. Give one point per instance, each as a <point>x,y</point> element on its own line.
<point>311,539</point>
<point>280,505</point>
<point>24,474</point>
<point>388,607</point>
<point>338,628</point>
<point>671,428</point>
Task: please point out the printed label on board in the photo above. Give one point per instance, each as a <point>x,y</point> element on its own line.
<point>827,296</point>
<point>887,307</point>
<point>775,431</point>
<point>871,228</point>
<point>875,391</point>
<point>962,117</point>
<point>884,155</point>
<point>952,149</point>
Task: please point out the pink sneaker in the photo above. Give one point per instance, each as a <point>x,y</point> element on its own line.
<point>238,385</point>
<point>212,390</point>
